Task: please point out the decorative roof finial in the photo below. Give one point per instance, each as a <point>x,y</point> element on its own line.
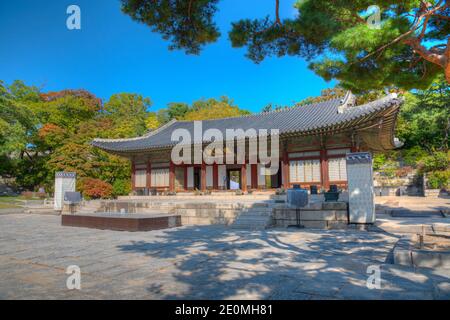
<point>348,101</point>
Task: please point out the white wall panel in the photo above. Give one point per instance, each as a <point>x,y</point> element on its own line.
<point>190,177</point>
<point>222,171</point>
<point>261,175</point>
<point>209,176</point>
<point>249,174</point>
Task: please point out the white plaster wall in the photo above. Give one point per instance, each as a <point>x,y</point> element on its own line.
<point>261,176</point>
<point>249,174</point>
<point>222,171</point>
<point>209,176</point>
<point>190,177</point>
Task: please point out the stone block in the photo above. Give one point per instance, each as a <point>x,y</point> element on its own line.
<point>323,215</point>
<point>441,227</point>
<point>314,206</point>
<point>285,214</point>
<point>334,205</point>
<point>402,257</point>
<point>315,224</point>
<point>430,259</point>
<point>337,225</point>
<point>342,215</point>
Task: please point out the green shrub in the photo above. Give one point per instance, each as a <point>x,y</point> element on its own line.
<point>121,187</point>
<point>439,180</point>
<point>438,161</point>
<point>414,155</point>
<point>378,161</point>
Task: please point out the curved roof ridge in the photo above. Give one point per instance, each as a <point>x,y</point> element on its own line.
<point>275,111</point>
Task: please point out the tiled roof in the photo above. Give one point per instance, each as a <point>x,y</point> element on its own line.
<point>308,119</point>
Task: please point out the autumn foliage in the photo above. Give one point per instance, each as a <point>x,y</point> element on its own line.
<point>95,188</point>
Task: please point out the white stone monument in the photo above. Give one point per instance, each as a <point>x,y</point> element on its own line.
<point>64,182</point>
<point>360,187</point>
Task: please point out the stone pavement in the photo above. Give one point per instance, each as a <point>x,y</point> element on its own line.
<point>203,262</point>
<point>418,204</point>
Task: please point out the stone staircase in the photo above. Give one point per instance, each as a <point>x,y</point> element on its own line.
<point>39,207</point>
<point>256,217</point>
<point>89,207</point>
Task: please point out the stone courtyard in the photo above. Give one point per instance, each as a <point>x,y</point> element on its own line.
<point>204,262</point>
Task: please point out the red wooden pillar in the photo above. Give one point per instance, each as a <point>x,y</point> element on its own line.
<point>215,176</point>
<point>244,177</point>
<point>133,176</point>
<point>285,169</point>
<point>172,177</point>
<point>324,169</point>
<point>203,177</point>
<point>254,176</point>
<point>149,175</point>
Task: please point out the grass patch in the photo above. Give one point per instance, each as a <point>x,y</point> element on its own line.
<point>10,202</point>
<point>5,205</point>
<point>16,199</point>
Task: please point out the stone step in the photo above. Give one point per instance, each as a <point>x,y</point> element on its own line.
<point>251,220</point>
<point>256,211</point>
<point>248,227</point>
<point>49,211</point>
<point>406,213</point>
<point>254,215</point>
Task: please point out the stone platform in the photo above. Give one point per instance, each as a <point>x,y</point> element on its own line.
<point>321,215</point>
<point>121,222</point>
<point>245,212</point>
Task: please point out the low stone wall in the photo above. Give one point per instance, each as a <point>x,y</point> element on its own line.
<point>406,254</point>
<point>203,215</point>
<point>192,213</point>
<point>435,193</point>
<point>322,215</point>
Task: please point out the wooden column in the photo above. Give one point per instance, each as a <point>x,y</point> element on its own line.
<point>254,176</point>
<point>185,178</point>
<point>286,170</point>
<point>172,177</point>
<point>244,177</point>
<point>133,176</point>
<point>215,176</point>
<point>149,175</point>
<point>324,169</point>
<point>203,177</point>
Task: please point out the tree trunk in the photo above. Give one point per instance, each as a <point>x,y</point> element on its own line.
<point>439,57</point>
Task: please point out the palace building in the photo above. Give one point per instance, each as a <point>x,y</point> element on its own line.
<point>313,142</point>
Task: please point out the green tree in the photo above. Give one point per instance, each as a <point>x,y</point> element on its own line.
<point>424,119</point>
<point>214,109</point>
<point>152,121</point>
<point>188,25</point>
<point>128,112</point>
<point>174,110</point>
<point>411,47</point>
<point>41,133</point>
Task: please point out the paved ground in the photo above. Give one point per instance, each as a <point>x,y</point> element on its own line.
<point>414,203</point>
<point>203,263</point>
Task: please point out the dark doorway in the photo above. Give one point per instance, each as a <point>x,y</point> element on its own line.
<point>197,178</point>
<point>234,180</point>
<point>274,181</point>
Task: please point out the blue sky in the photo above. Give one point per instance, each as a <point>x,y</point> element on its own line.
<point>114,54</point>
